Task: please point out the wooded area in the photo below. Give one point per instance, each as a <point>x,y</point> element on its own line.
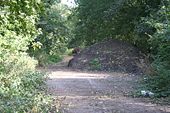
<point>39,32</point>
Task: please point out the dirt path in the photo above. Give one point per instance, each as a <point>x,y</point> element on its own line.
<point>85,92</point>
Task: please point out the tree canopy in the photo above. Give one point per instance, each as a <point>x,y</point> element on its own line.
<point>144,23</point>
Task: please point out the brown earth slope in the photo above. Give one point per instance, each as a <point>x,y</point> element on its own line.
<point>111,55</point>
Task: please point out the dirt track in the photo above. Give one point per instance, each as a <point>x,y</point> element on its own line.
<point>85,92</point>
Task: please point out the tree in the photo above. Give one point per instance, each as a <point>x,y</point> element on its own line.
<point>100,19</point>
<point>55,31</point>
<point>144,23</point>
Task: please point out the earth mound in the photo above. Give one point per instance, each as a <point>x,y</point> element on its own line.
<point>112,56</point>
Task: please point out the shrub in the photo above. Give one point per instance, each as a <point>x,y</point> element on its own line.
<point>20,86</point>
<point>159,81</point>
<point>45,59</point>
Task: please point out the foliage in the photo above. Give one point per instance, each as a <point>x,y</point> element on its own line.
<point>44,59</point>
<point>44,29</point>
<point>160,50</point>
<point>20,86</point>
<point>19,83</point>
<point>101,19</point>
<point>95,64</point>
<point>144,23</point>
<point>55,31</point>
<point>160,79</point>
<point>17,22</point>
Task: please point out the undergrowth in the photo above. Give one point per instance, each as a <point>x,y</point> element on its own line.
<point>21,87</point>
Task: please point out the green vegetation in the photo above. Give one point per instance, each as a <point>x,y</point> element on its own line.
<point>52,42</point>
<point>144,23</point>
<point>43,30</point>
<point>20,84</point>
<point>95,64</point>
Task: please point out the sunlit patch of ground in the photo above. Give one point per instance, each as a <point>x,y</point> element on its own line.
<point>85,92</point>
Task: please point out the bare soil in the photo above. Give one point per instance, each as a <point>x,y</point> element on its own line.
<point>112,56</point>
<point>97,92</point>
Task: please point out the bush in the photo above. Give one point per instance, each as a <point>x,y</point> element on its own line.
<point>45,59</point>
<point>159,81</point>
<point>156,28</point>
<point>20,86</point>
